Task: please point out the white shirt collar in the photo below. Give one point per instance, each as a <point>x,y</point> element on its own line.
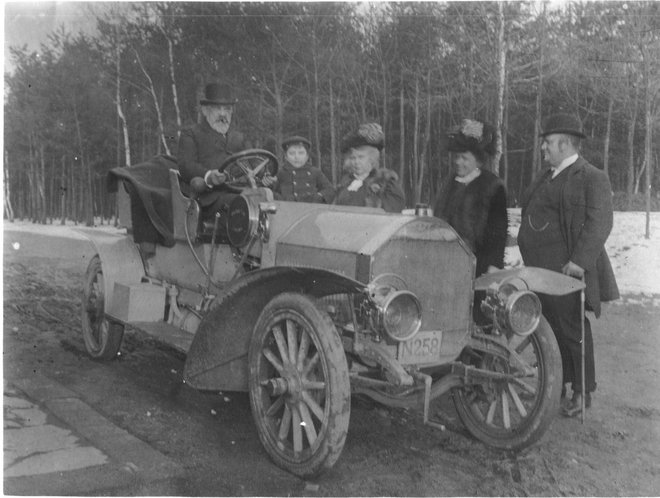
<point>469,177</point>
<point>564,164</point>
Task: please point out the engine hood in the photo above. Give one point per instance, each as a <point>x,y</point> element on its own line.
<point>361,244</point>
<point>347,240</point>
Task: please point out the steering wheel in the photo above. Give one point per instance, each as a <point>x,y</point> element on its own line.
<point>245,169</point>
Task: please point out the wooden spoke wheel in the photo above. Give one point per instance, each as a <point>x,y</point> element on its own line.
<point>102,336</point>
<point>514,413</point>
<point>299,385</point>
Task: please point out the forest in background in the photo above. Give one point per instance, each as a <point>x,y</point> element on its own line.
<point>85,103</point>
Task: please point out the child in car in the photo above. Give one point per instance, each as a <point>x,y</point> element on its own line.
<point>298,180</point>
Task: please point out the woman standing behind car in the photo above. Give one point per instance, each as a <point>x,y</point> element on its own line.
<point>474,201</point>
<point>364,182</point>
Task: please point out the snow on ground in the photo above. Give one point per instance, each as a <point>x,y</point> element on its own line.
<point>55,229</point>
<point>635,259</point>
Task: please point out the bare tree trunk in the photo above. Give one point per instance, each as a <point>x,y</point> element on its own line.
<point>536,157</point>
<point>63,191</point>
<point>505,134</point>
<point>152,90</point>
<point>648,114</point>
<point>9,210</point>
<point>639,174</point>
<point>52,198</point>
<point>402,133</point>
<point>120,110</point>
<point>87,193</point>
<point>32,195</point>
<point>175,96</point>
<point>501,83</point>
<point>317,132</point>
<point>630,177</point>
<point>73,199</point>
<point>333,138</point>
<point>424,162</point>
<point>415,164</point>
<point>81,196</point>
<point>385,108</point>
<point>608,132</point>
<point>40,185</point>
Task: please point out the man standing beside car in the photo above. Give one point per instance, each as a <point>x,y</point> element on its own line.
<point>566,219</point>
<point>205,146</point>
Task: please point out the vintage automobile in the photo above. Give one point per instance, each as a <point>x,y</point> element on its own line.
<point>303,305</point>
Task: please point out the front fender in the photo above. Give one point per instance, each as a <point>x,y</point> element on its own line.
<point>537,280</point>
<point>217,359</point>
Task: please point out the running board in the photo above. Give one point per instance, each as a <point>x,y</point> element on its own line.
<point>169,334</point>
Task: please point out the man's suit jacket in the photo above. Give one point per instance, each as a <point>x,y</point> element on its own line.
<point>201,149</point>
<point>585,215</point>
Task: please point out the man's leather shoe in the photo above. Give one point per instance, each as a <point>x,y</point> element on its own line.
<point>574,407</point>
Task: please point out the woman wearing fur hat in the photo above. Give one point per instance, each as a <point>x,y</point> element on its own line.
<point>364,182</point>
<point>474,201</point>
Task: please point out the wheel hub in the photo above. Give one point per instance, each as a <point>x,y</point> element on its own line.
<point>290,384</point>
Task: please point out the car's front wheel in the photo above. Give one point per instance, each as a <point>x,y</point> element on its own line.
<point>514,412</point>
<point>299,385</point>
<point>102,336</point>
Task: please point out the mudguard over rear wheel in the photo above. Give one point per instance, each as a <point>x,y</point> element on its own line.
<point>102,336</point>
<point>509,414</point>
<point>299,385</point>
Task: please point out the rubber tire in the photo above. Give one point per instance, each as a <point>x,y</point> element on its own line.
<point>332,368</point>
<point>544,406</point>
<point>102,337</point>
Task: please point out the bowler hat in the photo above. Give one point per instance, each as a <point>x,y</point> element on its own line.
<point>562,123</point>
<point>367,134</point>
<point>218,94</point>
<point>473,136</point>
<point>295,140</point>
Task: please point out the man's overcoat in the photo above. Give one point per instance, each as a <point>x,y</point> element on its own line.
<point>585,214</point>
<point>201,149</point>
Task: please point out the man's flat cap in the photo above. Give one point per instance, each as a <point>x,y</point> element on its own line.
<point>294,140</point>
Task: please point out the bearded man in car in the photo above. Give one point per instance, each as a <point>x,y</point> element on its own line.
<point>206,145</point>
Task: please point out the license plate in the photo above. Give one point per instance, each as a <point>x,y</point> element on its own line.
<point>423,348</point>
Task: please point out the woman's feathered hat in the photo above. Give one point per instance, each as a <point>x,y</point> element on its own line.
<point>366,134</point>
<point>474,136</point>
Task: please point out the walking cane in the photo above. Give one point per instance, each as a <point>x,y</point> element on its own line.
<point>584,394</point>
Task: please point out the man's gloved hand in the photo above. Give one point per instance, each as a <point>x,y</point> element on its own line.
<point>213,178</point>
<point>572,270</point>
<point>268,181</point>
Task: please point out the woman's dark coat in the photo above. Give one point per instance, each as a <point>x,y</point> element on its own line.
<point>477,211</point>
<point>380,189</point>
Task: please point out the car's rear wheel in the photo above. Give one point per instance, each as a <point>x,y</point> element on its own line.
<point>299,385</point>
<point>513,414</point>
<point>102,336</point>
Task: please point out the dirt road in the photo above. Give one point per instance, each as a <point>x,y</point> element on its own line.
<point>388,452</point>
